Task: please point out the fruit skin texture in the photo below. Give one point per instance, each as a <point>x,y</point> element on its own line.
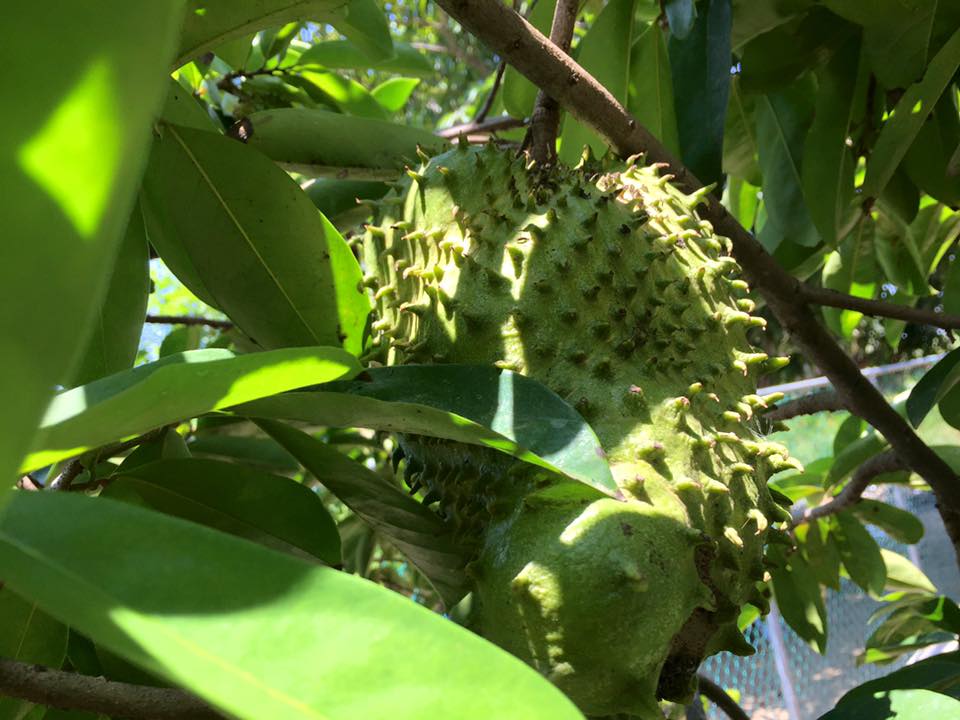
<point>604,284</point>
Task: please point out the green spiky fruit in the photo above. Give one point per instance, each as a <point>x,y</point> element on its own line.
<point>604,284</point>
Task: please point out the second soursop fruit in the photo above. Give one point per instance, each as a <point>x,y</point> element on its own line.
<point>603,284</point>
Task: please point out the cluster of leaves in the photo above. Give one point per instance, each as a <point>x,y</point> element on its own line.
<point>231,482</point>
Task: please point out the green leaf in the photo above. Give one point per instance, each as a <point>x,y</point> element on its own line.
<point>899,256</point>
<point>604,52</point>
<point>272,510</point>
<point>799,598</point>
<point>931,387</point>
<point>783,122</point>
<point>334,198</point>
<point>940,673</point>
<point>903,574</point>
<point>210,23</point>
<point>911,111</point>
<point>348,96</point>
<point>473,404</point>
<point>897,39</point>
<point>342,55</point>
<point>900,525</point>
<point>860,554</point>
<point>742,200</point>
<point>175,388</point>
<point>755,17</point>
<point>821,552</point>
<point>71,154</point>
<point>519,93</point>
<point>681,15</point>
<point>927,161</point>
<point>394,93</point>
<point>216,199</point>
<point>812,38</point>
<point>828,163</point>
<point>257,633</point>
<point>896,705</point>
<point>410,526</point>
<point>317,137</point>
<point>701,83</point>
<point>901,196</point>
<point>740,148</point>
<point>257,451</point>
<point>29,635</point>
<point>852,270</point>
<point>650,87</point>
<point>366,27</point>
<point>168,444</point>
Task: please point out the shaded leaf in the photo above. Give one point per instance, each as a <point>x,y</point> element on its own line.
<point>473,404</point>
<point>860,554</point>
<point>414,529</point>
<point>940,673</point>
<point>341,54</point>
<point>366,27</point>
<point>175,388</point>
<point>740,148</point>
<point>317,137</point>
<point>257,451</point>
<point>67,196</point>
<point>701,83</point>
<point>927,162</point>
<point>896,38</point>
<point>852,269</point>
<point>913,108</point>
<point>799,599</point>
<point>755,17</point>
<point>822,554</point>
<point>899,524</point>
<point>215,198</point>
<point>896,705</point>
<point>681,15</point>
<point>240,625</point>
<point>272,510</point>
<point>930,388</point>
<point>650,87</point>
<point>604,52</point>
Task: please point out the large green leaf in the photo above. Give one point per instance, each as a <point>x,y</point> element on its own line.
<point>175,388</point>
<point>29,635</point>
<point>277,267</point>
<point>896,705</point>
<point>828,162</point>
<point>800,599</point>
<point>414,529</point>
<point>275,511</point>
<point>901,525</point>
<point>940,673</point>
<point>394,93</point>
<point>257,633</point>
<point>317,137</point>
<point>911,111</point>
<point>345,94</point>
<point>604,52</point>
<point>931,387</point>
<point>365,25</point>
<point>903,574</point>
<point>210,23</point>
<point>740,148</point>
<point>473,404</point>
<point>341,54</point>
<point>860,554</point>
<point>896,38</point>
<point>783,121</point>
<point>927,162</point>
<point>701,84</point>
<point>519,93</point>
<point>852,269</point>
<point>755,17</point>
<point>119,320</point>
<point>71,153</point>
<point>650,87</point>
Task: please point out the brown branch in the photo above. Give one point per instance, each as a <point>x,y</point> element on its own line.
<point>66,476</point>
<point>504,122</point>
<point>534,56</point>
<point>492,95</point>
<point>878,308</point>
<point>806,405</point>
<point>719,697</point>
<point>863,476</point>
<point>545,119</point>
<point>184,320</point>
<point>70,691</point>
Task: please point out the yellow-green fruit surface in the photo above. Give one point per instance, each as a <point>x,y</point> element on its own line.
<point>604,284</point>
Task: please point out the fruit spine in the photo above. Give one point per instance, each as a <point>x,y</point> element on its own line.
<point>602,282</point>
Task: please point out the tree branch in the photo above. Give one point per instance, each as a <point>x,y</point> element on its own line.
<point>878,308</point>
<point>488,126</point>
<point>492,95</point>
<point>66,476</point>
<point>864,475</point>
<point>806,405</point>
<point>70,691</point>
<point>534,56</point>
<point>545,119</point>
<point>183,320</point>
<point>719,697</point>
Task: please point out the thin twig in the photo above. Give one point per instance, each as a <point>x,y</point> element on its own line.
<point>186,320</point>
<point>505,122</point>
<point>719,697</point>
<point>863,476</point>
<point>879,308</point>
<point>548,67</point>
<point>545,119</point>
<point>65,477</point>
<point>70,691</point>
<point>492,95</point>
<point>806,405</point>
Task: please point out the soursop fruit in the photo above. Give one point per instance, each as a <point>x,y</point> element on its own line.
<point>601,282</point>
